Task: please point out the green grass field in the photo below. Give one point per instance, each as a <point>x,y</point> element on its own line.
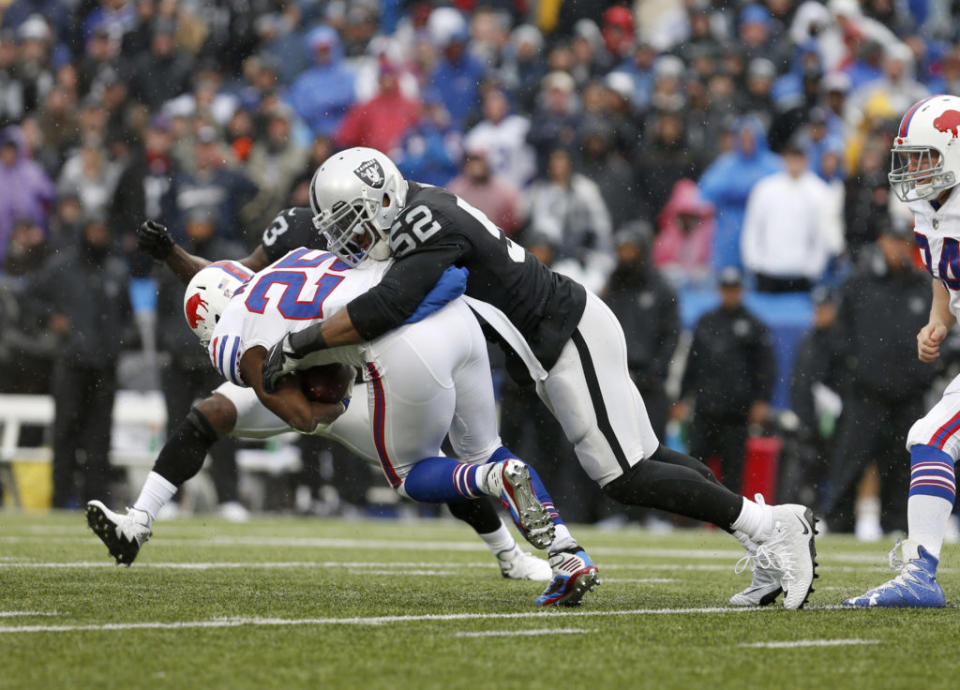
<point>289,603</point>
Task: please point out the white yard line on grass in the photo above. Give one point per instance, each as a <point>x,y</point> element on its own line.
<point>524,633</point>
<point>432,545</point>
<point>11,614</point>
<point>372,620</point>
<point>214,565</point>
<point>807,643</point>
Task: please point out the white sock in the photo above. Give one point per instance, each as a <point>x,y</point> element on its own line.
<point>483,472</point>
<point>562,540</point>
<point>155,494</point>
<point>500,540</point>
<point>755,520</point>
<point>927,518</point>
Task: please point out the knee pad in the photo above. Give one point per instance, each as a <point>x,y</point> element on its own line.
<point>201,424</point>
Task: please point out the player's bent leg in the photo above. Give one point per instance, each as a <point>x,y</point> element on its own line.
<point>573,574</point>
<point>180,459</point>
<point>784,534</point>
<point>514,562</point>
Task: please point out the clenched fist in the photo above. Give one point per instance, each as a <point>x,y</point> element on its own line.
<point>928,341</point>
<point>154,239</point>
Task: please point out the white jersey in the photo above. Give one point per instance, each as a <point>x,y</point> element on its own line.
<point>300,289</point>
<point>938,237</point>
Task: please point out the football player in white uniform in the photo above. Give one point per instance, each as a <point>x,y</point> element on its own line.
<point>424,379</point>
<point>925,171</point>
<point>236,411</point>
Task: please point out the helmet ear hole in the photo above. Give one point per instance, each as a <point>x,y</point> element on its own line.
<point>386,201</point>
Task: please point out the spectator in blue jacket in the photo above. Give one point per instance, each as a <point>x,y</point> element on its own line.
<point>727,183</point>
<point>458,76</point>
<point>322,94</point>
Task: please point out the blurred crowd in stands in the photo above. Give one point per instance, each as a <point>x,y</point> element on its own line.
<point>651,150</point>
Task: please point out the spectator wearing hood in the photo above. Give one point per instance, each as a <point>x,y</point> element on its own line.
<point>684,243</point>
<point>322,94</point>
<point>381,122</point>
<point>458,76</point>
<point>727,183</point>
<point>25,190</point>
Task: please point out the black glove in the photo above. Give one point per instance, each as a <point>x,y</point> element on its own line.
<point>154,239</point>
<point>282,358</point>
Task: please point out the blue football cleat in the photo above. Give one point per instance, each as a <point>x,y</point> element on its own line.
<point>574,574</point>
<point>915,587</point>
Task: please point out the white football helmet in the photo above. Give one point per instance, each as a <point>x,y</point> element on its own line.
<point>355,196</point>
<point>209,292</point>
<point>930,126</point>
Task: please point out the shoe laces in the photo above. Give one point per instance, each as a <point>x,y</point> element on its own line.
<point>767,556</point>
<point>895,557</point>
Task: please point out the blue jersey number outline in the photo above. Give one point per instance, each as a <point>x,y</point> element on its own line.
<point>294,281</point>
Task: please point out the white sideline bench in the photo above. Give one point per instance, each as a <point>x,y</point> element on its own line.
<point>139,429</point>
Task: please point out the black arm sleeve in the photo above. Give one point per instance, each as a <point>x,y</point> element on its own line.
<point>387,305</point>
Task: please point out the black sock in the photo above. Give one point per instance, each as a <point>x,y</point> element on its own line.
<point>676,488</point>
<point>479,514</point>
<point>182,455</point>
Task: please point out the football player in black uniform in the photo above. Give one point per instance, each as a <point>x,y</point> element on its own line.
<point>183,454</point>
<point>571,343</point>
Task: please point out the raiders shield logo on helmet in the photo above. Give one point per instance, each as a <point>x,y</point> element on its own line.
<point>371,172</point>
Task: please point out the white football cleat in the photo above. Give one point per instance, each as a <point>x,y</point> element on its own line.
<point>122,534</point>
<point>765,587</point>
<point>790,550</point>
<point>517,564</point>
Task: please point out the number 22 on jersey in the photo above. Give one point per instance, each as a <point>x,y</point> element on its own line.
<point>297,299</point>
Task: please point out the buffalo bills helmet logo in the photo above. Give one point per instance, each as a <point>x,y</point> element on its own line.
<point>371,173</point>
<point>194,304</point>
<point>949,121</point>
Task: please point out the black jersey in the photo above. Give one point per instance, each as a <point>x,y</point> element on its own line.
<point>437,229</point>
<point>291,229</point>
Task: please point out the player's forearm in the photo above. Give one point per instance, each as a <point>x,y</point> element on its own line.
<point>940,306</point>
<point>336,331</point>
<point>287,401</point>
<point>184,265</point>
